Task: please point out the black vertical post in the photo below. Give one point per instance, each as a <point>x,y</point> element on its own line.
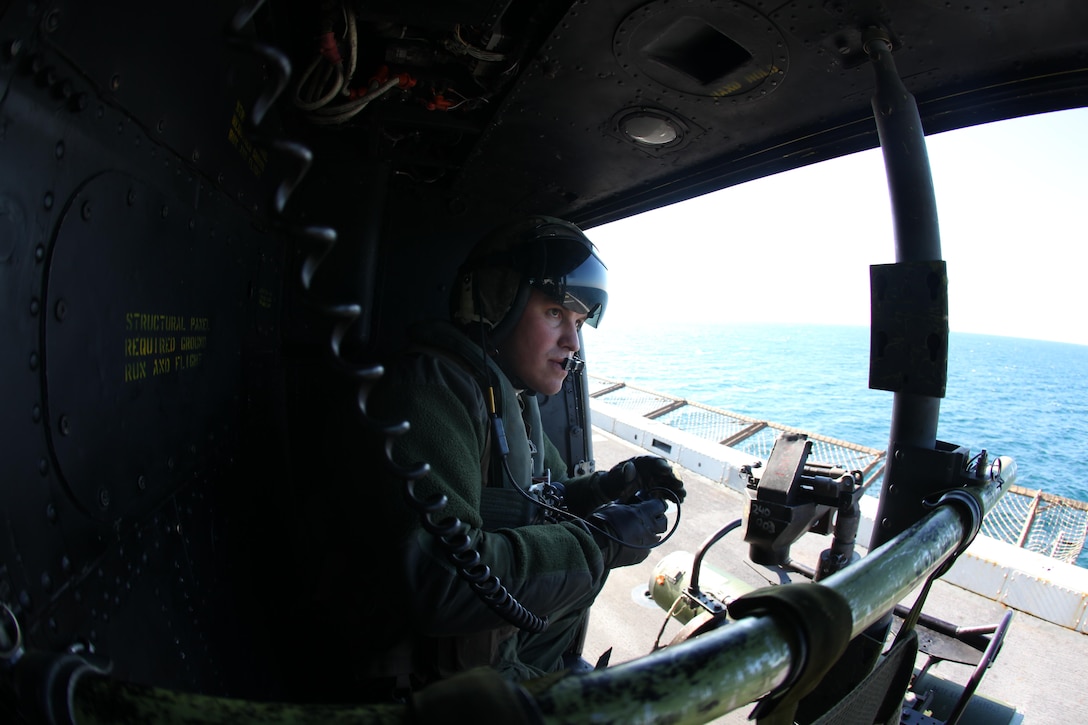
<point>909,347</point>
<point>916,284</point>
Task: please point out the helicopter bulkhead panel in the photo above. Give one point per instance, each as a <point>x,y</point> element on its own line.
<point>142,299</point>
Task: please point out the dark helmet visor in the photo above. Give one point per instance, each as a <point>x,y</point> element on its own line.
<point>575,277</point>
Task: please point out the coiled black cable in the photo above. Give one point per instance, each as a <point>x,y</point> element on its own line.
<point>276,60</point>
<point>316,242</point>
<point>452,534</point>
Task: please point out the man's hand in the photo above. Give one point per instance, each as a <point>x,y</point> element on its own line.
<point>626,533</point>
<point>641,475</point>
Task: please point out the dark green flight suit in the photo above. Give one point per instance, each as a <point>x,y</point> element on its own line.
<point>439,624</point>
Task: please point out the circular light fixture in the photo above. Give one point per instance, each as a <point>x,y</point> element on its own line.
<point>650,129</point>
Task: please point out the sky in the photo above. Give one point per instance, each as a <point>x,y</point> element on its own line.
<point>1012,200</point>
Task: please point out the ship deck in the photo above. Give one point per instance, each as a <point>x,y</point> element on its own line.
<point>1037,677</point>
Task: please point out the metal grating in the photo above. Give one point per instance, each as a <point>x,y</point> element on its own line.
<point>1040,522</point>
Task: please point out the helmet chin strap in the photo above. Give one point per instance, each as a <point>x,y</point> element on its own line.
<point>509,321</point>
<point>514,379</point>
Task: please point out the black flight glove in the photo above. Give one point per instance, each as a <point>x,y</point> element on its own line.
<point>640,475</point>
<point>638,524</point>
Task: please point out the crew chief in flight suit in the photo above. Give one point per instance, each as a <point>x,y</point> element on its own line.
<point>517,306</point>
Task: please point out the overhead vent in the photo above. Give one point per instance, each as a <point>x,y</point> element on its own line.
<point>702,48</point>
<point>698,50</point>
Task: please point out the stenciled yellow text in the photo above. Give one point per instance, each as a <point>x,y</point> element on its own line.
<point>158,344</point>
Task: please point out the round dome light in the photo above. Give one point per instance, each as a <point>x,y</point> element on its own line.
<point>650,130</point>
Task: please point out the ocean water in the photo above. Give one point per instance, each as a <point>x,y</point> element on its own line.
<point>1027,399</point>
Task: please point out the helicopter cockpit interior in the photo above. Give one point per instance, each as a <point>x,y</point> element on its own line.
<point>217,218</point>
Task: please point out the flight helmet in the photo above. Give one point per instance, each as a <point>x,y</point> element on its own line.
<point>543,253</point>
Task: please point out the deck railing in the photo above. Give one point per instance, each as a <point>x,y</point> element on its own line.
<point>1041,522</point>
<point>741,432</point>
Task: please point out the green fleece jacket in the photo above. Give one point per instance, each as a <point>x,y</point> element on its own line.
<point>553,570</point>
